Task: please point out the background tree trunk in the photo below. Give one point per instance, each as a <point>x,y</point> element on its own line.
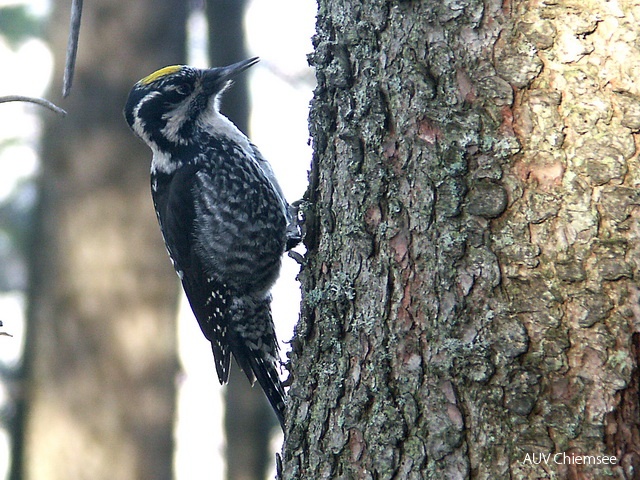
<point>101,359</point>
<point>471,292</point>
<point>248,417</point>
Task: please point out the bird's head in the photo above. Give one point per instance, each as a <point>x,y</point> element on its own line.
<point>167,107</point>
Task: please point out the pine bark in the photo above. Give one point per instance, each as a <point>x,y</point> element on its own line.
<point>471,285</point>
<point>101,351</point>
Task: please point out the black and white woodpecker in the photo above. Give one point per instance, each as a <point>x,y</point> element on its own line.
<point>224,218</point>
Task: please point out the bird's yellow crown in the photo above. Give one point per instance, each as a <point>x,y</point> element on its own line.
<point>163,72</point>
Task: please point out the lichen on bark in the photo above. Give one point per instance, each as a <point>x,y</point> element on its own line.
<point>470,281</point>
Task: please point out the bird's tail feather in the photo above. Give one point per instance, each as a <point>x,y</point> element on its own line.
<point>265,371</point>
<point>255,348</point>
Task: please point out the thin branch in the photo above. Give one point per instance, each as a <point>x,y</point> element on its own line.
<point>72,47</point>
<point>39,101</point>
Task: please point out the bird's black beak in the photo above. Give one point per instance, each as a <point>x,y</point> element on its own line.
<point>215,79</point>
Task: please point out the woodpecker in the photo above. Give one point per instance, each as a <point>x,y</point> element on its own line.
<point>223,216</point>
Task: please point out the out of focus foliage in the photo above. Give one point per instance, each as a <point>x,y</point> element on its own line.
<point>17,24</point>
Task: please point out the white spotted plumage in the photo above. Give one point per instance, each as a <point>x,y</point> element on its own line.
<point>222,213</point>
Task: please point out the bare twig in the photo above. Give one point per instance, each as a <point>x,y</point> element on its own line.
<point>72,47</point>
<point>36,100</point>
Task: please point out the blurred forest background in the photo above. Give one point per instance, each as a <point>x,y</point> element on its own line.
<point>101,378</point>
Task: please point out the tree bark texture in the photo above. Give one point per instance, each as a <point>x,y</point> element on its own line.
<point>471,285</point>
<point>101,353</point>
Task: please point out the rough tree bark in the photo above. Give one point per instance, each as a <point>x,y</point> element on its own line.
<point>101,359</point>
<point>471,287</point>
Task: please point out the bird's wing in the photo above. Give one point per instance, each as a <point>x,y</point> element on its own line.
<point>209,298</point>
<point>226,234</point>
<point>195,207</point>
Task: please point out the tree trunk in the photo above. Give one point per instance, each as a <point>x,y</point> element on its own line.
<point>471,286</point>
<point>101,353</point>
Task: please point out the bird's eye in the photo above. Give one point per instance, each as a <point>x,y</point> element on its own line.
<point>184,89</point>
